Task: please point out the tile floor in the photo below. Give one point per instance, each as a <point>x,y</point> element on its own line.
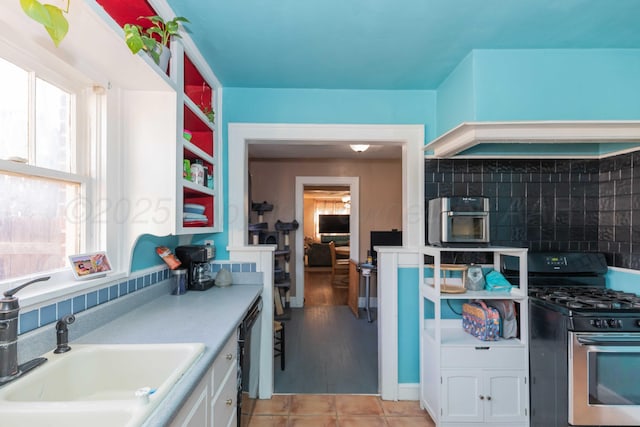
<point>331,410</point>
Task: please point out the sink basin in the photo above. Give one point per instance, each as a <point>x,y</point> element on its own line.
<point>110,385</point>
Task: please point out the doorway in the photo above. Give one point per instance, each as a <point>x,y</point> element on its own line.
<point>326,226</point>
<point>411,138</point>
<point>350,184</point>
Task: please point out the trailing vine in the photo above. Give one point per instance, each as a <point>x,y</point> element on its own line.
<point>50,16</point>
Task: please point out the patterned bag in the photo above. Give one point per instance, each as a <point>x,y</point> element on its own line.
<point>481,321</point>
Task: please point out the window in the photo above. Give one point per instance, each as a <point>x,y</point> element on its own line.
<point>44,173</point>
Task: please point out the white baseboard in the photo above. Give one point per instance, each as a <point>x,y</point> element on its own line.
<point>409,391</point>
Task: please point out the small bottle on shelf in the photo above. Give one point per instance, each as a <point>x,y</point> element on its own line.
<point>197,172</point>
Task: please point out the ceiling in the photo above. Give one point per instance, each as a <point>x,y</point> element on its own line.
<point>388,44</point>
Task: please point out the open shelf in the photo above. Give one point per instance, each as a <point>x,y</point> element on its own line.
<point>202,133</point>
<point>196,88</point>
<point>430,292</point>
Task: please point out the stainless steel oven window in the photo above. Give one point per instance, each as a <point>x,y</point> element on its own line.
<point>604,371</point>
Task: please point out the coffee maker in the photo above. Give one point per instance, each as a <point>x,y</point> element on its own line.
<point>196,258</point>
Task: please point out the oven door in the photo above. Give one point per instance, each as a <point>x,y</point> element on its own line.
<point>604,369</point>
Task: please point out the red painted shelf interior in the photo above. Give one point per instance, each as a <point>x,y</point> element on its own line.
<point>191,196</point>
<point>195,86</point>
<point>201,134</point>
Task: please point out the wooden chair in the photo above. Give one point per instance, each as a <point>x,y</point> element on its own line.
<point>338,266</point>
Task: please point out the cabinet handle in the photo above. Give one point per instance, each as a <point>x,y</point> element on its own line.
<point>488,397</point>
<point>481,397</point>
<point>229,402</point>
<point>229,356</point>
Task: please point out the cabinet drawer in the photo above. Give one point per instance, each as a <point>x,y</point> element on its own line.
<point>484,355</point>
<point>227,358</point>
<point>224,405</point>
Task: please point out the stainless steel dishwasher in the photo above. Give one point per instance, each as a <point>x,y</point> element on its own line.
<point>249,362</point>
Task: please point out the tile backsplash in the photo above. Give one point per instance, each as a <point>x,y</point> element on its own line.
<point>552,204</point>
<point>50,313</point>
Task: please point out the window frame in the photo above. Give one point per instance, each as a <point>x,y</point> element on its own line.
<point>88,122</point>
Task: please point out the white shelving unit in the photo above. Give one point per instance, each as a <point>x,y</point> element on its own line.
<point>465,381</point>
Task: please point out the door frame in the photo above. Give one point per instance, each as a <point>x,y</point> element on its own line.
<point>353,182</point>
<point>412,140</point>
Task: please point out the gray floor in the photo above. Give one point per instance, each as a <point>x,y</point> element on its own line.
<point>328,350</point>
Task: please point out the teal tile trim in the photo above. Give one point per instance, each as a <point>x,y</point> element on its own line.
<point>234,267</point>
<point>408,325</point>
<point>46,315</point>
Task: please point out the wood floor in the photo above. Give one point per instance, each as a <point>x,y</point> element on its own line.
<point>318,290</point>
<point>328,350</point>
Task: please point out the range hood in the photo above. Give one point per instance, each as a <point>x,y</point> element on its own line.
<point>552,139</point>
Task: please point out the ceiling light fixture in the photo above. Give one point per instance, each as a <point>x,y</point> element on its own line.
<point>359,148</point>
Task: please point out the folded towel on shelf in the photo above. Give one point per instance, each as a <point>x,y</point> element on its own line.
<point>495,281</point>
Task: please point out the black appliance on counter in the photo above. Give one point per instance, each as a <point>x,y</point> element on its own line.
<point>584,352</point>
<point>249,363</point>
<point>196,259</point>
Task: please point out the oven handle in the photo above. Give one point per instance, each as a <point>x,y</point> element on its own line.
<point>609,341</point>
<point>455,213</point>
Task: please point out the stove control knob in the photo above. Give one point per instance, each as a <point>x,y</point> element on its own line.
<point>598,323</point>
<point>613,323</point>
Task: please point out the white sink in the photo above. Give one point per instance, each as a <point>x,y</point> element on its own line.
<point>97,385</point>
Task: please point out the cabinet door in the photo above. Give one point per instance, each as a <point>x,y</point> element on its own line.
<point>461,395</point>
<point>224,406</point>
<point>506,396</point>
<point>194,411</point>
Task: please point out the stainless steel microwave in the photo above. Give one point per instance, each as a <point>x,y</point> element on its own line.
<point>458,221</point>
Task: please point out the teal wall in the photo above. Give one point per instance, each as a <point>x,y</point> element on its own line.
<point>408,326</point>
<point>456,97</point>
<point>626,281</point>
<point>547,84</point>
<point>144,253</point>
<point>560,84</point>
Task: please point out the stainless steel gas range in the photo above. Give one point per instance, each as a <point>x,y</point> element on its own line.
<point>585,344</point>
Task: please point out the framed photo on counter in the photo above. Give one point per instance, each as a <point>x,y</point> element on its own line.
<point>90,265</point>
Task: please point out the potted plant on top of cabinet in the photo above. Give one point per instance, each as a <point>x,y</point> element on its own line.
<point>154,39</point>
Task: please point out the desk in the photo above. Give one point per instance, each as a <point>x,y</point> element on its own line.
<point>365,271</point>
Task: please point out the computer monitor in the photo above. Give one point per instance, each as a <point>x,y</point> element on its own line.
<point>384,238</point>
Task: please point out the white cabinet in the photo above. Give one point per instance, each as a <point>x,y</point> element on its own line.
<point>213,403</point>
<point>194,411</point>
<point>465,381</point>
<point>484,396</point>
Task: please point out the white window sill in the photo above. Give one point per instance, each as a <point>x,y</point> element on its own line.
<point>61,284</point>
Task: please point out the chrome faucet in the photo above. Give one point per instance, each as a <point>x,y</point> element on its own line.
<point>9,308</point>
